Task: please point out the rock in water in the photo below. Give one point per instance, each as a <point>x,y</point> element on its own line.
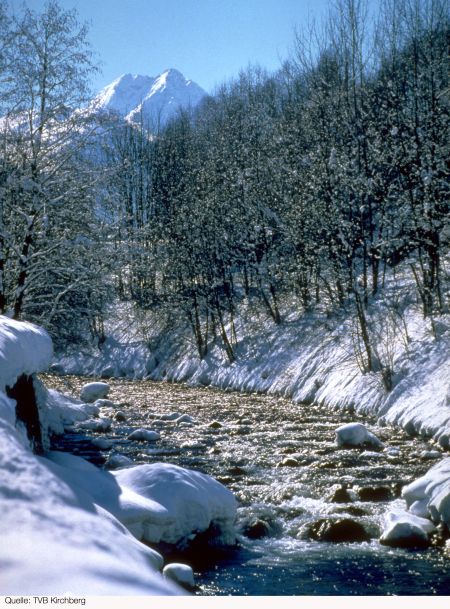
<point>404,530</point>
<point>256,529</point>
<point>117,460</point>
<point>375,493</point>
<point>338,531</point>
<point>339,494</point>
<point>144,435</point>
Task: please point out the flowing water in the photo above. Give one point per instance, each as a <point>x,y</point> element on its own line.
<point>281,462</point>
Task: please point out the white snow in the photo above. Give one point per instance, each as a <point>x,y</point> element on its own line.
<point>24,349</point>
<point>431,493</point>
<point>356,434</point>
<point>179,573</point>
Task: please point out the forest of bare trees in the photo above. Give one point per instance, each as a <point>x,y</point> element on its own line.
<point>305,189</point>
<point>312,184</point>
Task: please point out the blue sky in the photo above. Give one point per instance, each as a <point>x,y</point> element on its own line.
<point>209,41</point>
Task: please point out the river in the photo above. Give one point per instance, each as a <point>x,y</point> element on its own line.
<point>282,463</point>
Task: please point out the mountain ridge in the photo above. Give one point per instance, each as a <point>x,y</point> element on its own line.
<point>154,100</point>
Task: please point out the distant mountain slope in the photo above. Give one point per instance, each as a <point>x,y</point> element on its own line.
<point>152,100</point>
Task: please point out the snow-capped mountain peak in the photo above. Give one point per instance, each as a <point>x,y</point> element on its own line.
<point>152,100</point>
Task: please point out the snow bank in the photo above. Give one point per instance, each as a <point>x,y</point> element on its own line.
<point>55,538</point>
<point>69,526</point>
<point>129,358</point>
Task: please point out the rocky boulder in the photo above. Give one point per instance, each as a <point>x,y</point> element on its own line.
<point>338,531</point>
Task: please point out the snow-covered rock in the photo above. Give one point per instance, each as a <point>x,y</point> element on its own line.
<point>180,574</point>
<point>193,500</point>
<point>185,418</point>
<point>171,416</point>
<point>102,443</point>
<point>430,454</point>
<point>94,391</point>
<point>117,460</point>
<point>104,403</point>
<point>144,435</point>
<point>433,491</point>
<point>99,425</point>
<point>405,530</point>
<point>356,434</point>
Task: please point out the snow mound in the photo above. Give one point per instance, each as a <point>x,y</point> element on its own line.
<point>194,501</point>
<point>158,502</point>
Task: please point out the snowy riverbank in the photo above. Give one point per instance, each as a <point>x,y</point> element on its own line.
<point>65,525</point>
<point>310,359</point>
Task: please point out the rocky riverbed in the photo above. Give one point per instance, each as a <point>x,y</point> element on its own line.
<point>310,512</point>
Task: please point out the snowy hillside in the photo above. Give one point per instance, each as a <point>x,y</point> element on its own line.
<point>153,100</point>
